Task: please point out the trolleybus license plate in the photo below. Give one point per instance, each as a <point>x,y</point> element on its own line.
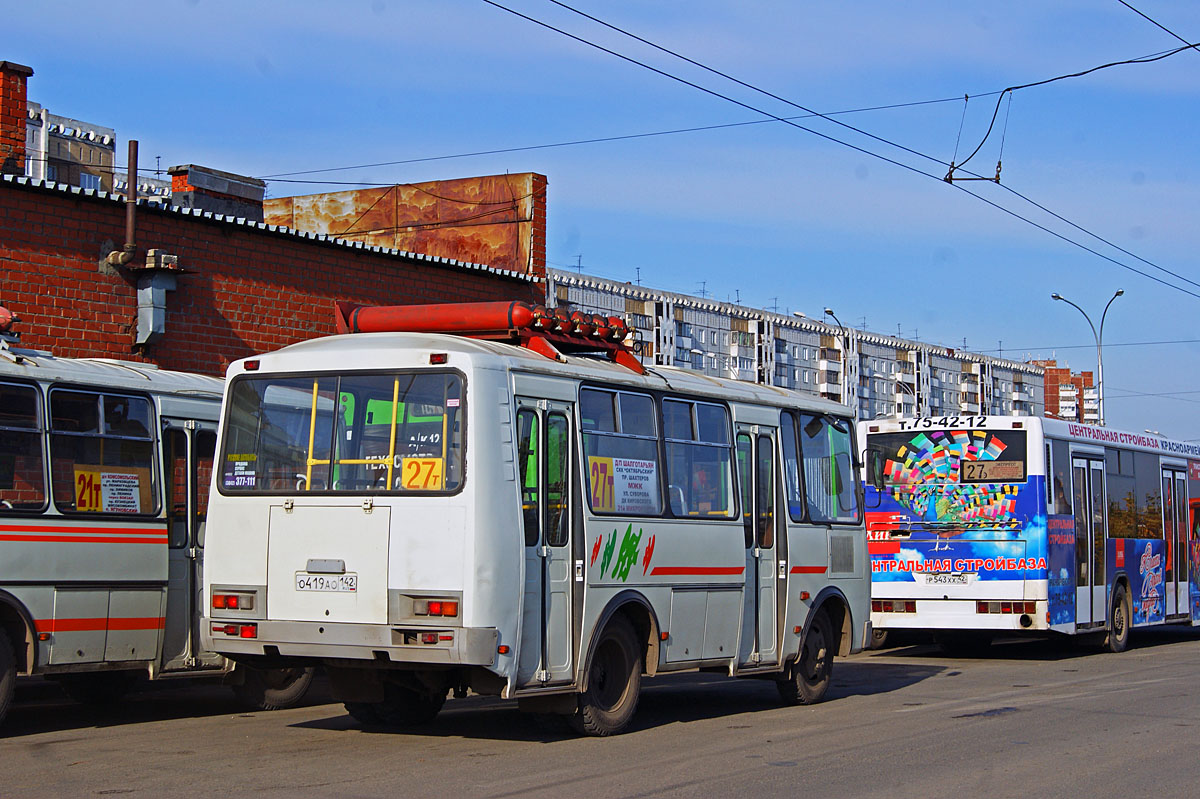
<point>326,582</point>
<point>946,579</point>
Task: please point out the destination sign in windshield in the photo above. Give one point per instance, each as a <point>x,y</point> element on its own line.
<point>992,471</point>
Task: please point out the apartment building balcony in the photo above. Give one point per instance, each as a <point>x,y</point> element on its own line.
<point>829,365</point>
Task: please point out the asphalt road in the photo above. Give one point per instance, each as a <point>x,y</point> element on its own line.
<point>1033,718</point>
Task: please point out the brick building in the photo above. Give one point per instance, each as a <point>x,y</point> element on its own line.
<point>202,288</point>
<point>1070,395</point>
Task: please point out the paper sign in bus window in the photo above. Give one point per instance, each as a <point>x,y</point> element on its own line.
<point>420,474</point>
<point>623,485</point>
<point>111,489</point>
<point>240,471</point>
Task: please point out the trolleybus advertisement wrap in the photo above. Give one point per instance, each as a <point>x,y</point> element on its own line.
<point>956,507</point>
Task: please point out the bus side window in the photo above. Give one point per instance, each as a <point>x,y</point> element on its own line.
<point>22,467</point>
<point>530,478</point>
<point>205,451</point>
<point>176,480</point>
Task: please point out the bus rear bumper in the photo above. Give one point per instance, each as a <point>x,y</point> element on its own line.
<point>964,614</point>
<point>450,646</point>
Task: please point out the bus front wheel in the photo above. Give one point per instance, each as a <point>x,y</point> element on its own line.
<point>1118,631</point>
<point>614,682</point>
<point>809,677</point>
<point>8,674</point>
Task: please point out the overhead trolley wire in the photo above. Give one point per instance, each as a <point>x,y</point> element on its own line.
<point>834,139</point>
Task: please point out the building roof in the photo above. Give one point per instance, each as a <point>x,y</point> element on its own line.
<point>239,222</point>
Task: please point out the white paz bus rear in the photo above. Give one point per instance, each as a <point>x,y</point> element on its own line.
<point>425,513</point>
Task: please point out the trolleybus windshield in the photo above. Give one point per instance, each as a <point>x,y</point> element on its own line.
<point>951,476</point>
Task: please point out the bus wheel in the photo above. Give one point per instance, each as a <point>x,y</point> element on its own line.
<point>809,676</point>
<point>273,689</point>
<point>614,682</point>
<point>99,687</point>
<point>1118,631</point>
<point>879,639</point>
<point>8,674</point>
<point>364,713</point>
<point>406,704</point>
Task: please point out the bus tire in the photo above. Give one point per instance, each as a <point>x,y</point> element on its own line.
<point>614,682</point>
<point>879,639</point>
<point>406,704</point>
<point>273,689</point>
<point>8,674</point>
<point>364,713</point>
<point>1117,639</point>
<point>99,687</point>
<point>809,676</point>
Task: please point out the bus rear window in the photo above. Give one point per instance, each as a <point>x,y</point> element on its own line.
<point>355,433</point>
<point>951,456</point>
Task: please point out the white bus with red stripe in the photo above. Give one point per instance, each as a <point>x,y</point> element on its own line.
<point>523,510</point>
<point>104,475</point>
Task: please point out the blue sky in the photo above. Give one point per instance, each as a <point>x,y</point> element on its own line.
<point>774,215</point>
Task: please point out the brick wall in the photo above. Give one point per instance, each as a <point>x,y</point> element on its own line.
<point>245,290</point>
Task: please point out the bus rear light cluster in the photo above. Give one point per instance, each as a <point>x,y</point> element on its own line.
<point>233,601</point>
<point>894,606</point>
<point>435,607</point>
<point>237,630</point>
<point>1028,606</point>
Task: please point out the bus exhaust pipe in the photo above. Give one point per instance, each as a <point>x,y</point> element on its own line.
<point>1026,621</point>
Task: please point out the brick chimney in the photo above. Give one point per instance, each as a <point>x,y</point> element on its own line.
<point>13,79</point>
<point>219,192</point>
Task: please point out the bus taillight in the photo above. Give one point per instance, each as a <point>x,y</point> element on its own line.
<point>894,606</point>
<point>435,607</point>
<point>233,601</point>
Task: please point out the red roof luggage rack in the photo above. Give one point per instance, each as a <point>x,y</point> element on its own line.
<point>547,332</point>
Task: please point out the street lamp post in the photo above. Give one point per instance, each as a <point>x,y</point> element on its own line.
<point>846,386</point>
<point>1099,335</point>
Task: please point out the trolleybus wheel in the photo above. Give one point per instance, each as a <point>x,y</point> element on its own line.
<point>273,689</point>
<point>809,676</point>
<point>406,704</point>
<point>614,682</point>
<point>1118,631</point>
<point>99,687</point>
<point>8,674</point>
<point>879,639</point>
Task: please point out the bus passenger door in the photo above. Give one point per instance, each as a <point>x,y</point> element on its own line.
<point>756,459</point>
<point>1090,513</point>
<point>187,461</point>
<point>544,465</point>
<point>1175,531</point>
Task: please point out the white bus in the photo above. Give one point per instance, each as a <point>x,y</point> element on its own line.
<point>987,525</point>
<point>424,513</point>
<point>104,475</point>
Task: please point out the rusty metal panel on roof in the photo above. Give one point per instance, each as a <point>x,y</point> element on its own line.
<point>492,220</point>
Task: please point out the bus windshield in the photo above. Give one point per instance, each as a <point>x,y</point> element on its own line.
<point>356,433</point>
<point>956,477</point>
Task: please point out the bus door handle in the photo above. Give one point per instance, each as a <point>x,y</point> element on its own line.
<point>544,551</point>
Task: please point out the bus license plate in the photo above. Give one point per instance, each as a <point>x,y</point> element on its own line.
<point>946,579</point>
<point>343,583</point>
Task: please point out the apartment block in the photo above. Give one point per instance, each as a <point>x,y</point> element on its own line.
<point>876,375</point>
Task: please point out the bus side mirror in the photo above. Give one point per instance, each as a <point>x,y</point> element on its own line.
<point>874,469</point>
